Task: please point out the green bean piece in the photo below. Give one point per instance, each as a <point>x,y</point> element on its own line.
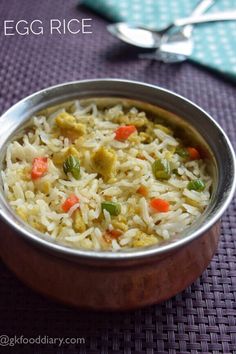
<point>161,169</point>
<point>112,207</point>
<point>196,185</point>
<point>72,165</point>
<point>182,152</point>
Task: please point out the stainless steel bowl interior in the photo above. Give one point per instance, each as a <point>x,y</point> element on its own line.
<point>176,110</point>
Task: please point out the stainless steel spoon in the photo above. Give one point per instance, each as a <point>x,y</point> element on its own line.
<point>147,38</point>
<point>177,44</point>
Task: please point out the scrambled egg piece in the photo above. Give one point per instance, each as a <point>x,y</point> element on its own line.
<point>59,157</point>
<point>78,224</point>
<point>69,126</point>
<point>24,173</point>
<point>43,186</point>
<point>104,162</point>
<point>142,239</point>
<point>137,121</point>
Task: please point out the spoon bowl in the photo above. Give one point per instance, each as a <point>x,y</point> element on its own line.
<point>135,36</point>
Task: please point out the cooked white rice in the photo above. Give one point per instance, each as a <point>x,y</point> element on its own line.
<point>39,202</point>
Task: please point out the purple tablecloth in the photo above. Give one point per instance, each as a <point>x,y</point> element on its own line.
<point>199,320</point>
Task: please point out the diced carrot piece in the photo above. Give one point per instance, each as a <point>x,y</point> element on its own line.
<point>143,191</point>
<point>111,234</point>
<point>193,153</point>
<point>160,205</point>
<point>69,202</point>
<point>39,167</point>
<point>115,233</point>
<point>122,133</point>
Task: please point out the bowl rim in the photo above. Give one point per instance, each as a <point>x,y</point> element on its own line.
<point>132,254</point>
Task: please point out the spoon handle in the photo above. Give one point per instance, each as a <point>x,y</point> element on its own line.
<point>202,7</point>
<point>221,16</point>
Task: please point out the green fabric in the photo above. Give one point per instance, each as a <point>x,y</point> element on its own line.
<point>214,43</point>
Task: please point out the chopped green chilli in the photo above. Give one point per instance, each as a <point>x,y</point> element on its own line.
<point>161,169</point>
<point>113,208</point>
<point>196,185</point>
<point>72,165</point>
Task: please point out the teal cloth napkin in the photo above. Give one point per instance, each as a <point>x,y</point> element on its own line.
<point>214,43</point>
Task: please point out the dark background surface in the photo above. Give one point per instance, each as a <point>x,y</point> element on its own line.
<point>199,320</point>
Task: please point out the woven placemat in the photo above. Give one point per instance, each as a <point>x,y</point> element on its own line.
<point>199,320</point>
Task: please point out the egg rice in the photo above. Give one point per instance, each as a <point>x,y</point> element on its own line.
<point>104,179</point>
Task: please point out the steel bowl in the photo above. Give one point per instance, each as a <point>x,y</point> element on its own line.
<point>133,278</point>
